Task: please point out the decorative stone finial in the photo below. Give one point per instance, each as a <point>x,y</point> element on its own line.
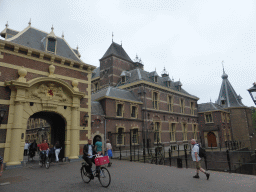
<point>112,36</point>
<point>7,24</point>
<point>75,84</point>
<point>77,47</point>
<point>29,23</point>
<point>51,71</point>
<point>62,34</point>
<point>52,28</point>
<point>22,73</point>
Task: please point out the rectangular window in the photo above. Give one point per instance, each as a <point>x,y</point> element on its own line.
<point>223,115</point>
<point>173,147</point>
<point>120,136</point>
<point>135,136</point>
<point>155,100</point>
<point>227,117</point>
<point>119,110</point>
<point>229,134</point>
<point>184,131</point>
<point>96,86</point>
<point>182,105</point>
<point>157,132</point>
<point>123,79</point>
<point>192,108</point>
<point>173,132</point>
<point>225,134</point>
<point>170,106</point>
<point>195,132</point>
<point>134,109</point>
<point>208,118</point>
<point>155,79</point>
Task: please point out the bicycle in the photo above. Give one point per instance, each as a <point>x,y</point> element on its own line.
<point>44,160</point>
<point>104,175</point>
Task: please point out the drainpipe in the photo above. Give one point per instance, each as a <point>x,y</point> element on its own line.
<point>105,132</point>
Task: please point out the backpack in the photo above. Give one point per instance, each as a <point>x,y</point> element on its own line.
<point>202,152</point>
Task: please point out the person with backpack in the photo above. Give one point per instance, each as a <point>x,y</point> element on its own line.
<point>196,158</point>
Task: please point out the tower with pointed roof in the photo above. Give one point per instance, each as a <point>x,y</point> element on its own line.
<point>226,120</point>
<point>113,62</point>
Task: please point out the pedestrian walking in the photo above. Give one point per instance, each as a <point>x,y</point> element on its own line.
<point>32,149</point>
<point>51,152</point>
<point>98,146</point>
<point>57,151</point>
<point>109,151</point>
<point>196,159</point>
<point>26,148</point>
<point>1,165</point>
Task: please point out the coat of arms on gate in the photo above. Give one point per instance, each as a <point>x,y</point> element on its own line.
<point>48,91</point>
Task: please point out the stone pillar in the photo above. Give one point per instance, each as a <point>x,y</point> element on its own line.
<point>16,135</point>
<point>74,134</point>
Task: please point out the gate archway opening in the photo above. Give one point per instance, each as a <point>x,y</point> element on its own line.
<point>54,130</point>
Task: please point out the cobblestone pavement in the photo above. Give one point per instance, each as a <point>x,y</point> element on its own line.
<point>125,176</point>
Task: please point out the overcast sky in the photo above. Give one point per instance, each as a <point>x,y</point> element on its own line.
<point>189,38</point>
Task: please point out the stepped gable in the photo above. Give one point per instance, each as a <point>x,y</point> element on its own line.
<point>203,107</point>
<point>227,96</point>
<point>118,51</point>
<point>34,38</point>
<point>114,92</point>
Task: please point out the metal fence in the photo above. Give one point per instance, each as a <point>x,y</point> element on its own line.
<point>234,157</point>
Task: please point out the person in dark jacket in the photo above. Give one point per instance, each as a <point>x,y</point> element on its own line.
<point>57,150</point>
<point>32,149</point>
<point>88,153</point>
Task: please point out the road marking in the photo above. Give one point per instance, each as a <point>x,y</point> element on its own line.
<point>6,183</point>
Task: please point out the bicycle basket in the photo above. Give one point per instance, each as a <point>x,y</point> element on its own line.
<point>101,161</point>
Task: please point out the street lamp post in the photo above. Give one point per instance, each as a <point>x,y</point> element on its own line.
<point>252,92</point>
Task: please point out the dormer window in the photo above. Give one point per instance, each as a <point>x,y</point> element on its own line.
<point>155,79</point>
<point>223,102</point>
<point>51,42</point>
<point>51,45</point>
<point>168,83</point>
<point>123,79</point>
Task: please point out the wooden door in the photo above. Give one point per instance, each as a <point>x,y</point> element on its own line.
<point>211,139</point>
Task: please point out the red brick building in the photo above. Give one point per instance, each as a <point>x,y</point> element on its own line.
<point>42,77</point>
<point>226,120</point>
<point>132,100</point>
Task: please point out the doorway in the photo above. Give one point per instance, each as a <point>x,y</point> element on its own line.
<point>211,139</point>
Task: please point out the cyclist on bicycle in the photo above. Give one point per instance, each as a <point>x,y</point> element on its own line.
<point>43,149</point>
<point>89,156</point>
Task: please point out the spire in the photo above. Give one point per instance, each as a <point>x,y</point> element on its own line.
<point>112,37</point>
<point>224,76</point>
<point>29,23</point>
<point>51,34</point>
<point>227,95</point>
<point>62,34</point>
<point>7,24</point>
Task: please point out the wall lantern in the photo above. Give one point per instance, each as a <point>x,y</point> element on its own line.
<point>85,123</point>
<point>2,113</point>
<point>252,92</point>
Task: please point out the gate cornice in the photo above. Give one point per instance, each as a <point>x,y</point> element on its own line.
<point>25,85</point>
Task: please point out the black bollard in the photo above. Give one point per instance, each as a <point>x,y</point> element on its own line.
<point>170,157</point>
<point>228,158</point>
<point>186,158</point>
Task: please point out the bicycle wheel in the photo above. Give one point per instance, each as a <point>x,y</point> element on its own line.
<point>104,177</point>
<point>85,176</point>
<point>47,163</point>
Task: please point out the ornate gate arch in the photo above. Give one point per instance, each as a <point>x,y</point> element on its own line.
<point>41,94</point>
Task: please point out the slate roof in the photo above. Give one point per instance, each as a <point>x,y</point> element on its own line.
<point>209,107</point>
<point>115,93</point>
<point>116,50</point>
<point>140,74</point>
<point>96,108</point>
<point>34,38</point>
<point>96,72</point>
<point>228,94</point>
<point>9,31</point>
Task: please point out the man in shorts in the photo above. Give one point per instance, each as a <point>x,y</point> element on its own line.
<point>196,159</point>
